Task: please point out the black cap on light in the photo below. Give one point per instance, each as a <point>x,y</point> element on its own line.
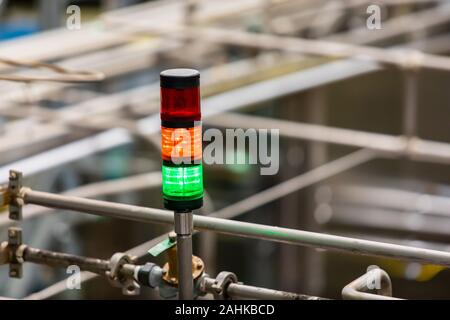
<point>180,78</point>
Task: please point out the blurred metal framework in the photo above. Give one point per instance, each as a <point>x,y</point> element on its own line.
<point>97,124</point>
<point>60,74</point>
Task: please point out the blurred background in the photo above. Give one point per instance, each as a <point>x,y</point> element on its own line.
<point>101,140</point>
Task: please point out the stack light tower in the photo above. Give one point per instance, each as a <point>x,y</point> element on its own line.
<point>182,171</point>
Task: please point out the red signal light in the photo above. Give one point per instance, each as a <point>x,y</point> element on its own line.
<point>180,95</point>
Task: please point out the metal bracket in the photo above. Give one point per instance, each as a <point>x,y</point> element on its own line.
<point>164,245</point>
<point>221,283</point>
<point>129,286</point>
<point>15,202</point>
<point>14,243</point>
<point>170,269</point>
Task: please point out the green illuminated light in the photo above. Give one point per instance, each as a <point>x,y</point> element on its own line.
<point>182,182</point>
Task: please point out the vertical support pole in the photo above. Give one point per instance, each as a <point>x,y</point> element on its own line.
<point>51,13</point>
<point>410,109</point>
<point>291,258</point>
<point>410,103</point>
<point>318,155</point>
<point>183,228</point>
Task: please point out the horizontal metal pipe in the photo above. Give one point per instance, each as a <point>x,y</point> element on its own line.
<point>401,59</point>
<point>98,207</point>
<point>413,148</point>
<point>94,190</point>
<point>394,199</point>
<point>244,229</point>
<point>61,286</point>
<point>241,291</point>
<point>313,132</point>
<point>57,259</point>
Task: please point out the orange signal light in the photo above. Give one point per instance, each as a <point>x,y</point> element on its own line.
<point>183,143</point>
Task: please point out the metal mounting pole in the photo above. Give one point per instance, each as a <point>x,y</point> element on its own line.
<point>184,227</point>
